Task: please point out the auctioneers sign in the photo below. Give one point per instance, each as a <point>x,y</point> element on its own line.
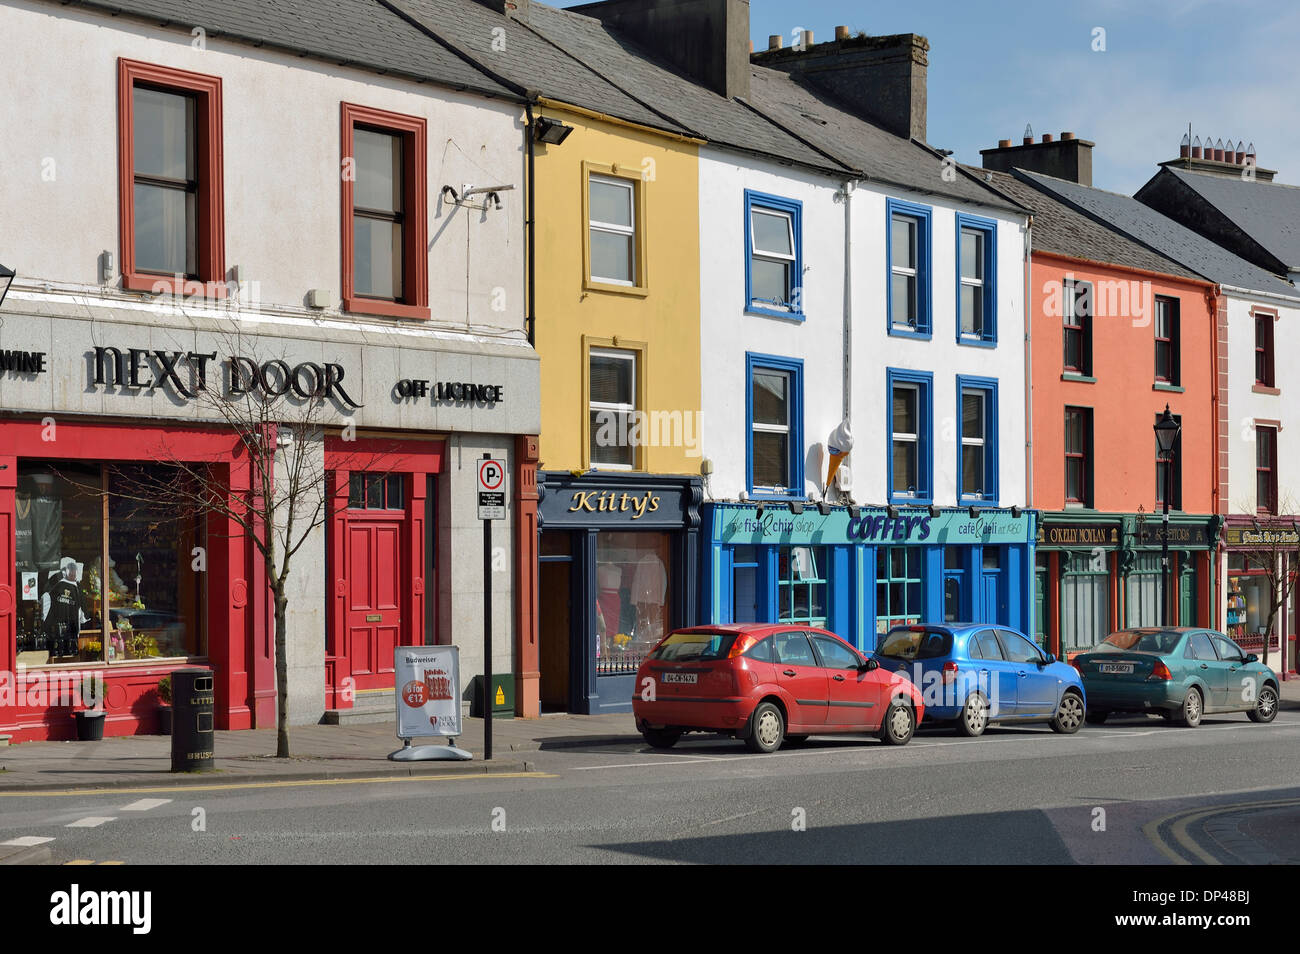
<point>428,691</point>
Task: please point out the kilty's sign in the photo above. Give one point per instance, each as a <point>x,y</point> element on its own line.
<point>428,691</point>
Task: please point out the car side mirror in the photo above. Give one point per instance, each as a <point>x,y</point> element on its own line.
<point>869,666</point>
<point>1252,658</point>
<point>1048,659</point>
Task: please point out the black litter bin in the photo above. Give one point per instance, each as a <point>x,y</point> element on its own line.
<point>193,701</point>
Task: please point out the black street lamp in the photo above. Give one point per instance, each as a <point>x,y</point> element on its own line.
<point>1167,430</point>
<point>6,279</point>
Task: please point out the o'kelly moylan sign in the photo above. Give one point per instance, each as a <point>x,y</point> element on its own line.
<point>428,691</point>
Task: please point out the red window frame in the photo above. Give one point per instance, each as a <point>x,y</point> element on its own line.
<point>415,191</point>
<point>1266,437</point>
<point>1170,340</point>
<point>1074,323</point>
<point>210,228</point>
<point>1079,457</point>
<point>1264,366</point>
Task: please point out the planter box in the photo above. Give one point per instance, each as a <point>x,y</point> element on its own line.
<point>90,725</point>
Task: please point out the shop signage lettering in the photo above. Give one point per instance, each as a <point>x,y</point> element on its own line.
<point>1263,538</point>
<point>1153,535</point>
<point>143,368</point>
<point>949,527</point>
<point>451,391</point>
<point>1078,535</point>
<point>23,362</point>
<point>773,524</point>
<point>611,501</point>
<point>881,527</point>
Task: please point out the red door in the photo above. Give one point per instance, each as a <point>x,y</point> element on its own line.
<point>373,552</point>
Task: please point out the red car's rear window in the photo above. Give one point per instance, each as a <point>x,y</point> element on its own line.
<point>694,646</point>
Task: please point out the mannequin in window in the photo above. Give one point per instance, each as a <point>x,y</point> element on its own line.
<point>61,609</point>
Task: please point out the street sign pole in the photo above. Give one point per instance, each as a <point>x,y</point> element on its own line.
<point>491,506</point>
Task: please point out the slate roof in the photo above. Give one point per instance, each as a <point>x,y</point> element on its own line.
<point>360,33</point>
<point>1061,229</point>
<point>1156,231</point>
<point>1269,212</point>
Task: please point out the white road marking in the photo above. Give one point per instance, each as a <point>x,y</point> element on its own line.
<point>26,841</point>
<point>93,821</point>
<point>144,804</point>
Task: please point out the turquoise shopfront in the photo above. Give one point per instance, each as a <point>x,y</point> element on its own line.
<point>860,571</point>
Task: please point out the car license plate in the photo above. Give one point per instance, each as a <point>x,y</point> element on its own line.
<point>1123,668</point>
<point>686,677</point>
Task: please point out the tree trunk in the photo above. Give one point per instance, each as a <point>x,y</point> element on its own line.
<point>281,676</point>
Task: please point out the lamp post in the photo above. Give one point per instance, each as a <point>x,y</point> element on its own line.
<point>6,279</point>
<point>1167,430</point>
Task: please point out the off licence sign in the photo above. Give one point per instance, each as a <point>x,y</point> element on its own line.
<point>491,489</point>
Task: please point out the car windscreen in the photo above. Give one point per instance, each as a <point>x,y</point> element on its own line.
<point>692,646</point>
<point>1140,641</point>
<point>905,643</point>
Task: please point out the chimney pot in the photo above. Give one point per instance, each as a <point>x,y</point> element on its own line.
<point>841,33</point>
<point>1047,137</point>
<point>1004,143</point>
<point>808,38</point>
<point>1185,147</point>
<point>1196,148</point>
<point>774,41</point>
<point>1069,159</point>
<point>1066,135</point>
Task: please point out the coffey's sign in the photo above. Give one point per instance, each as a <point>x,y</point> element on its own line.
<point>186,373</point>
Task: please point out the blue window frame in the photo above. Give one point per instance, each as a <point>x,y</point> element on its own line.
<point>909,448</point>
<point>907,269</point>
<point>773,255</point>
<point>977,280</point>
<point>977,440</point>
<point>774,426</point>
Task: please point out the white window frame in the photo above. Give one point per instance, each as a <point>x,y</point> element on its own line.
<point>913,438</point>
<point>790,260</point>
<point>785,428</point>
<point>595,225</point>
<point>981,442</point>
<point>976,283</point>
<point>910,271</point>
<point>619,354</point>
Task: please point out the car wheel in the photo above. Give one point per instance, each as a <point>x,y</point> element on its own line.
<point>1096,716</point>
<point>661,738</point>
<point>974,716</point>
<point>1070,715</point>
<point>1265,707</point>
<point>899,724</point>
<point>767,729</point>
<point>1190,716</point>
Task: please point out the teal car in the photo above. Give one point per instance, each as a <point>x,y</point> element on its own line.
<point>1183,673</point>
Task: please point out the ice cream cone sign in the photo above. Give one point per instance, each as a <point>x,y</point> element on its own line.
<point>838,447</point>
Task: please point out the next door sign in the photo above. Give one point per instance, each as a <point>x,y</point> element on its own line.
<point>491,489</point>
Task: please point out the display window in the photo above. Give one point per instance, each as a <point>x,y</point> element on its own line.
<point>801,585</point>
<point>1248,600</point>
<point>633,597</point>
<point>898,587</point>
<point>1085,605</point>
<point>1142,588</point>
<point>105,573</point>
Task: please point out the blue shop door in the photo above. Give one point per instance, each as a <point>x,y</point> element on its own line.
<point>993,606</point>
<point>952,601</point>
<point>744,585</point>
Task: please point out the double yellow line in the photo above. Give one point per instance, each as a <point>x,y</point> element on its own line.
<point>1177,844</point>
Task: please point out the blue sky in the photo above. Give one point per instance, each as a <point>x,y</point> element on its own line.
<point>1226,66</point>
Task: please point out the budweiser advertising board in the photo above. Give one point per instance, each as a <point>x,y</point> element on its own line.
<point>428,691</point>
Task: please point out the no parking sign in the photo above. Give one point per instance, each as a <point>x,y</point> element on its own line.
<point>491,489</point>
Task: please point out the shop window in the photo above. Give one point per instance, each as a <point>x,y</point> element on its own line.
<point>774,412</point>
<point>612,408</point>
<point>1077,328</point>
<point>977,280</point>
<point>1168,341</point>
<point>633,597</point>
<point>1085,602</point>
<point>1265,469</point>
<point>744,585</point>
<point>774,256</point>
<point>367,491</point>
<point>1248,597</point>
<point>104,565</point>
<point>977,400</point>
<point>1264,364</point>
<point>1170,472</point>
<point>898,587</point>
<point>171,199</point>
<point>909,435</point>
<point>801,585</point>
<point>385,250</point>
<point>908,290</point>
<point>1142,591</point>
<point>1078,456</point>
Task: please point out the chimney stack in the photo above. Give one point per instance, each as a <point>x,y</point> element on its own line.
<point>880,78</point>
<point>1069,159</point>
<point>1217,158</point>
<point>515,9</point>
<point>708,40</point>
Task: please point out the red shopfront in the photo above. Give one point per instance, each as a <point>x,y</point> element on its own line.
<point>381,564</point>
<point>149,589</point>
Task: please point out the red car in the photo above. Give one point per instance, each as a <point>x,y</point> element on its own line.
<point>766,683</point>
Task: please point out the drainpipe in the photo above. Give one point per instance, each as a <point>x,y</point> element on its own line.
<point>530,228</point>
<point>847,193</point>
<point>1029,363</point>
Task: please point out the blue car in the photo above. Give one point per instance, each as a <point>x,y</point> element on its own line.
<point>977,673</point>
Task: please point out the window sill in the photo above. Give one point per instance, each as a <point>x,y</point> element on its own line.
<point>171,285</point>
<point>385,309</point>
<point>974,342</point>
<point>980,503</point>
<point>1078,378</point>
<point>1077,506</point>
<point>775,313</point>
<point>1172,388</point>
<point>1265,389</point>
<point>635,291</point>
<point>897,332</point>
<point>769,496</point>
<point>916,501</point>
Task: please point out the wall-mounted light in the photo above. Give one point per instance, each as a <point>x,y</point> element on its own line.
<point>855,512</point>
<point>823,508</point>
<point>550,131</point>
<point>973,511</point>
<point>796,507</point>
<point>759,508</point>
<point>6,279</point>
<point>892,511</point>
<point>1015,512</point>
<point>934,511</point>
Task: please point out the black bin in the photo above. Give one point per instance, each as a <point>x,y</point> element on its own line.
<point>193,701</point>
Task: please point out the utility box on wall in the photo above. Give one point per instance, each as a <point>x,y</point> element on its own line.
<point>503,696</point>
